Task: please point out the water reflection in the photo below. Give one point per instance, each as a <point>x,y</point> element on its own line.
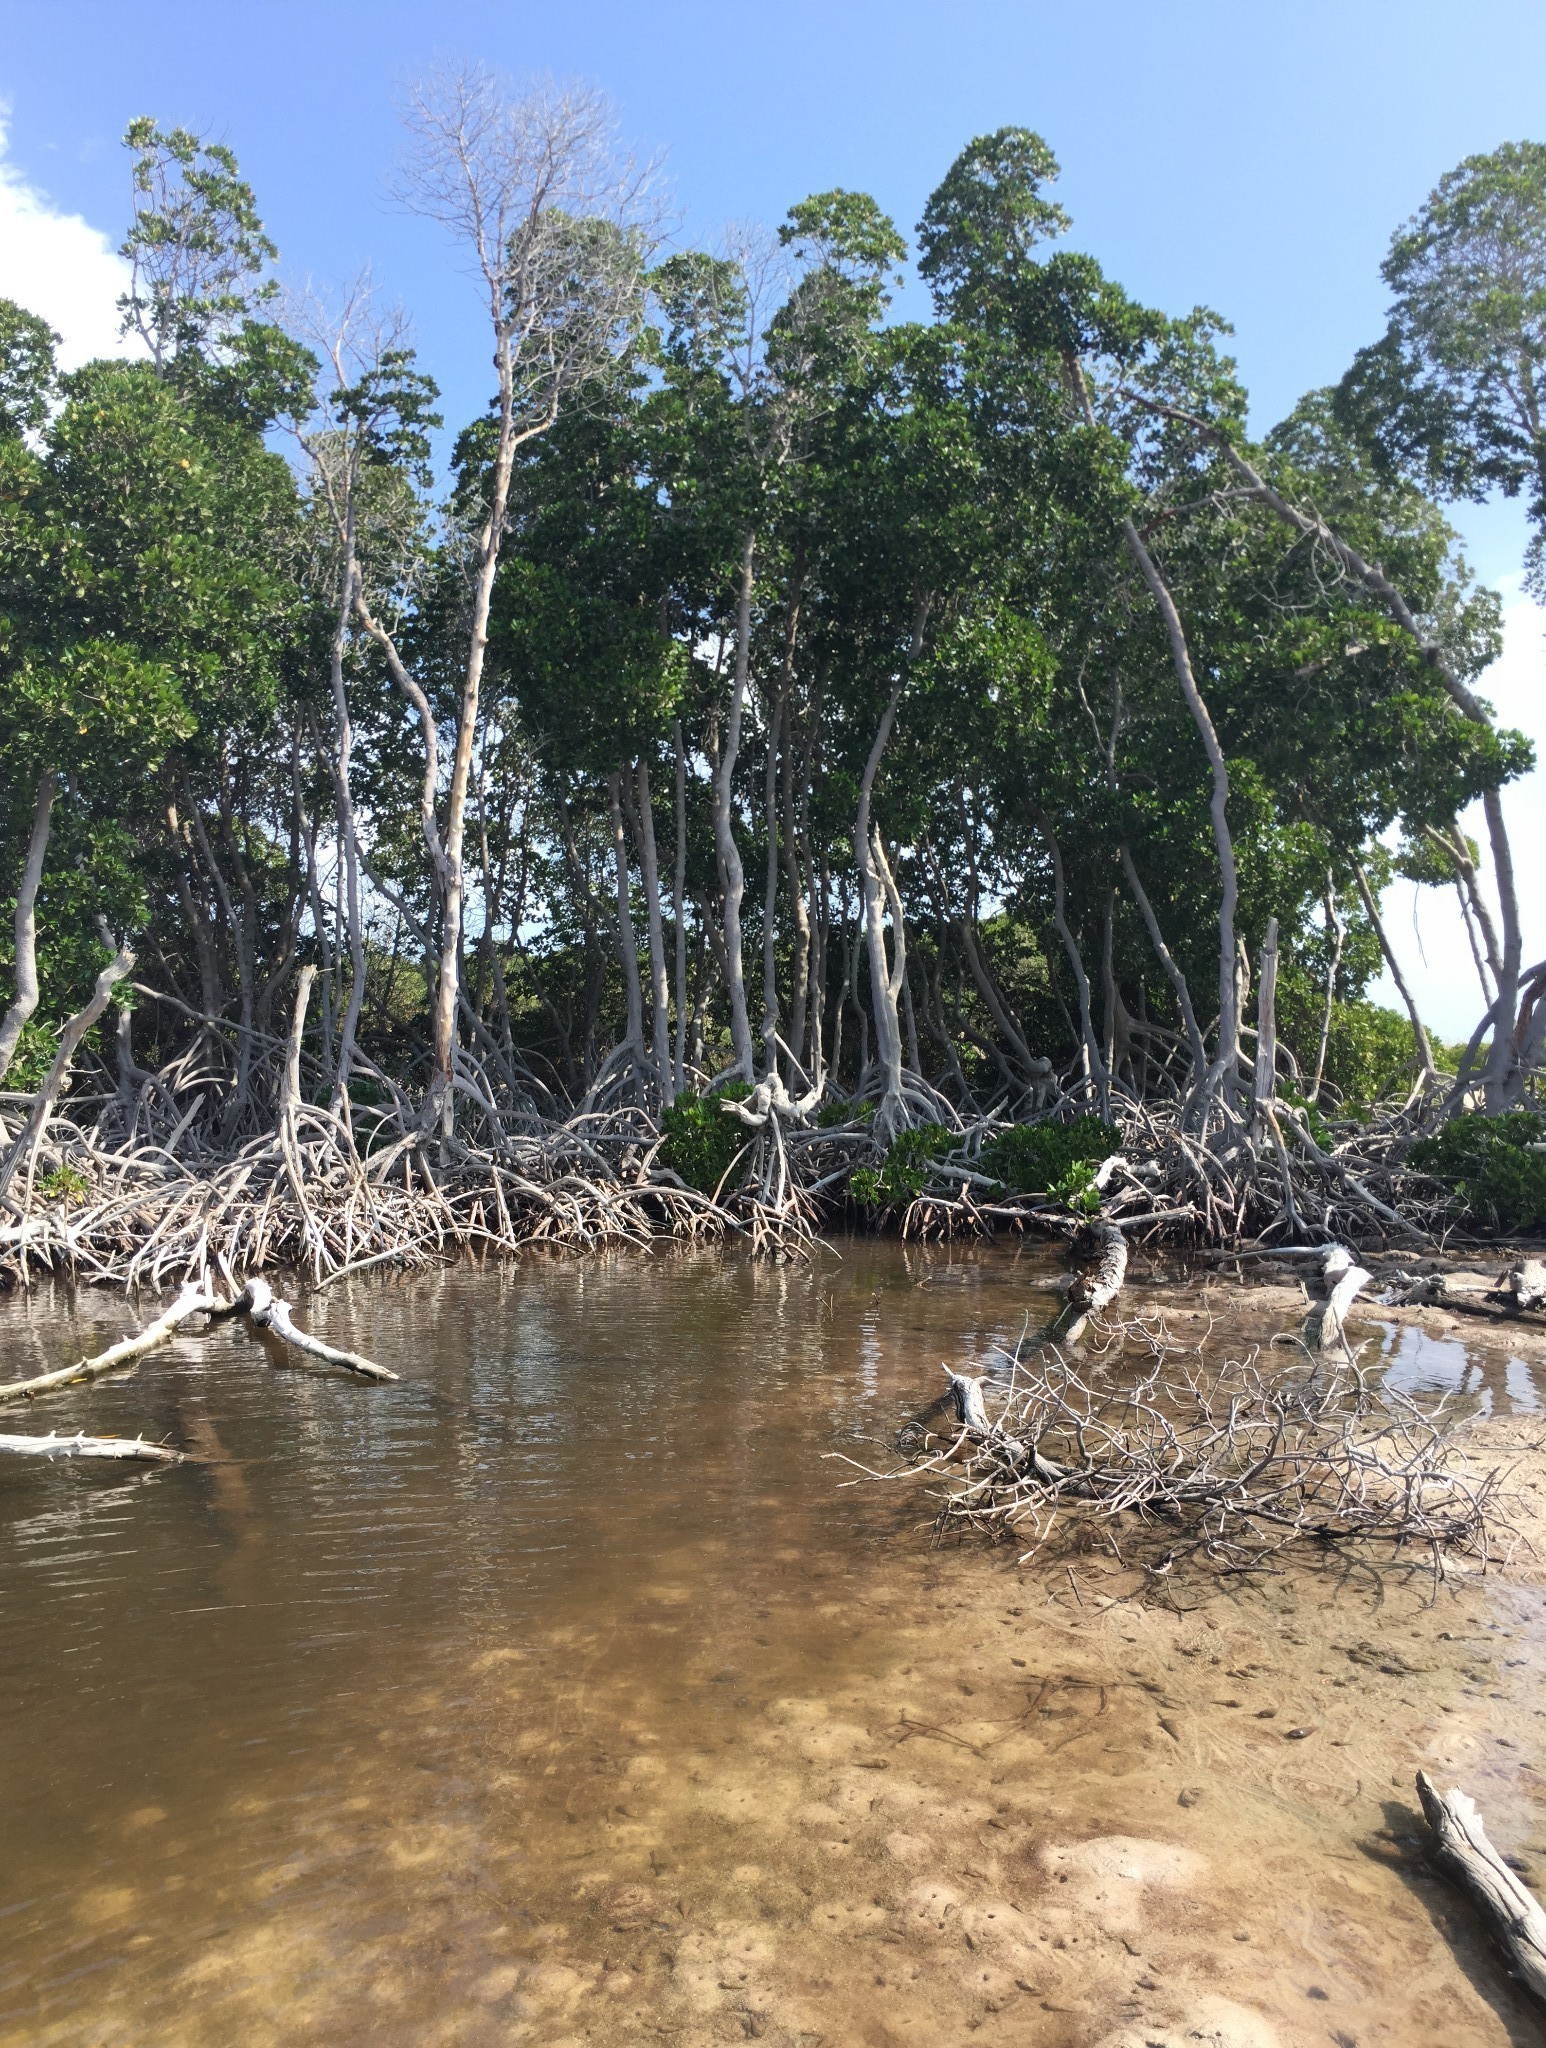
<point>1423,1365</point>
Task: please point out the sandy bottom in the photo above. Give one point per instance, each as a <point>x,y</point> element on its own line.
<point>1030,1821</point>
<point>861,1798</point>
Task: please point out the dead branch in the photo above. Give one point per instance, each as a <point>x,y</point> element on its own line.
<point>1513,1913</point>
<point>135,1448</point>
<point>269,1312</point>
<point>191,1301</point>
<point>1225,1461</point>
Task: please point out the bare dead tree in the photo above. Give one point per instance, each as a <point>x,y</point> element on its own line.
<point>552,218</point>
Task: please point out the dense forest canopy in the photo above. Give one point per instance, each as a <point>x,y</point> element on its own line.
<point>917,717</point>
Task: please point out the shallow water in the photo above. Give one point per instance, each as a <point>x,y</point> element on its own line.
<point>565,1693</point>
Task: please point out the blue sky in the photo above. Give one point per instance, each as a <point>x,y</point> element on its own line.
<point>1252,156</point>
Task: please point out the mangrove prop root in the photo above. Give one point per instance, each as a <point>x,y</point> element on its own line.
<point>1461,1849</point>
<point>269,1312</point>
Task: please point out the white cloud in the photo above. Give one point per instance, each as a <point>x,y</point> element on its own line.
<point>60,267</point>
<point>1424,925</point>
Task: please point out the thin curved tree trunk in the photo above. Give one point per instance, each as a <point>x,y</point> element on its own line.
<point>1502,1078</point>
<point>678,906</point>
<point>732,874</point>
<point>1094,1065</point>
<point>1372,912</point>
<point>1167,960</point>
<point>26,1002</point>
<point>24,1151</point>
<point>1337,931</point>
<point>343,744</point>
<point>627,945</point>
<point>660,986</point>
<point>877,884</point>
<point>1226,1066</point>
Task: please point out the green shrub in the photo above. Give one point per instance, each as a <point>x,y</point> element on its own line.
<point>33,1057</point>
<point>1315,1123</point>
<point>840,1110</point>
<point>1076,1190</point>
<point>64,1184</point>
<point>1486,1163</point>
<point>1034,1159</point>
<point>700,1140</point>
<point>901,1174</point>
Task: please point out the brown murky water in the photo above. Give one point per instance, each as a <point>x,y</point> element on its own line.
<point>563,1694</point>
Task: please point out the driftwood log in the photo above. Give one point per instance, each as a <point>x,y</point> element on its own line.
<point>1524,1288</point>
<point>1101,1250</point>
<point>191,1301</point>
<point>1342,1278</point>
<point>136,1448</point>
<point>269,1312</point>
<point>1461,1849</point>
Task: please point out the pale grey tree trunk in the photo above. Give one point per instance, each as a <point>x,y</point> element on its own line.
<point>732,874</point>
<point>660,986</point>
<point>678,905</point>
<point>1336,931</point>
<point>627,945</point>
<point>1171,966</point>
<point>26,1000</point>
<point>1372,911</point>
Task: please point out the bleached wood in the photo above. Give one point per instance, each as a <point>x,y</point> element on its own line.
<point>1511,1910</point>
<point>1343,1278</point>
<point>269,1312</point>
<point>135,1448</point>
<point>192,1301</point>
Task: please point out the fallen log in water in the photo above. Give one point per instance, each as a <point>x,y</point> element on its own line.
<point>192,1301</point>
<point>1512,1912</point>
<point>269,1312</point>
<point>1103,1245</point>
<point>135,1448</point>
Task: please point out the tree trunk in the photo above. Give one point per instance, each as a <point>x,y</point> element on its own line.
<point>1336,931</point>
<point>1264,1087</point>
<point>1227,1064</point>
<point>191,1301</point>
<point>732,874</point>
<point>678,908</point>
<point>25,1148</point>
<point>26,920</point>
<point>1512,1912</point>
<point>770,1013</point>
<point>660,987</point>
<point>1372,911</point>
<point>876,881</point>
<point>1172,969</point>
<point>344,798</point>
<point>1501,1079</point>
<point>627,945</point>
<point>1094,1065</point>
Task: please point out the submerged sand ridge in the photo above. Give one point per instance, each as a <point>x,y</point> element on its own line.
<point>682,1744</point>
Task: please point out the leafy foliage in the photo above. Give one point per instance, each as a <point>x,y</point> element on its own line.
<point>1045,1158</point>
<point>1488,1162</point>
<point>900,1176</point>
<point>700,1141</point>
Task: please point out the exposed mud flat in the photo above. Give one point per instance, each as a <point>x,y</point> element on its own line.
<point>572,1700</point>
